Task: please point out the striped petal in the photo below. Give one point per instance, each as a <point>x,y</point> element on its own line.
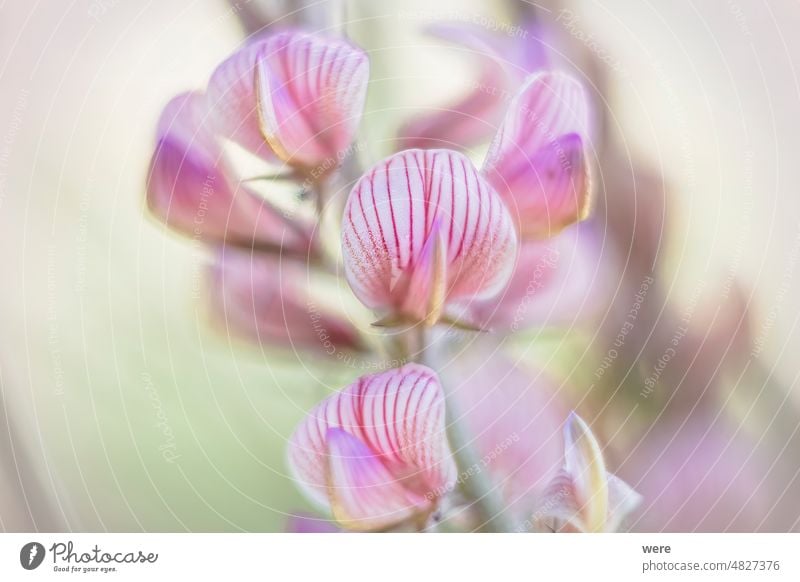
<point>389,218</point>
<point>311,93</point>
<point>292,95</point>
<point>398,417</point>
<point>232,101</point>
<point>537,161</point>
<point>189,188</point>
<point>266,300</point>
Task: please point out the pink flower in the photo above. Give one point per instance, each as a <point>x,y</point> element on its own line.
<point>421,230</point>
<point>375,454</point>
<point>266,300</point>
<point>291,95</point>
<point>584,496</point>
<point>189,187</point>
<point>537,161</point>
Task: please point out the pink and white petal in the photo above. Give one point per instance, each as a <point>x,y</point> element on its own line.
<point>548,191</point>
<point>232,101</point>
<point>266,300</point>
<point>537,161</point>
<point>622,501</point>
<point>423,284</point>
<point>363,494</point>
<point>389,215</point>
<point>548,106</point>
<point>398,414</point>
<point>583,461</point>
<point>311,91</point>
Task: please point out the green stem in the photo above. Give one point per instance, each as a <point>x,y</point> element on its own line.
<point>475,484</point>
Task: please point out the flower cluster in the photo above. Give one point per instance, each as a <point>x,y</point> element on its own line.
<point>428,241</point>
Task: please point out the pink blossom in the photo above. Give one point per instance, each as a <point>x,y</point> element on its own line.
<point>375,454</point>
<point>189,186</point>
<point>538,161</point>
<point>266,300</point>
<point>421,230</point>
<point>292,95</point>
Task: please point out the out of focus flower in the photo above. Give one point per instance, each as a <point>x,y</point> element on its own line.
<point>504,61</point>
<point>513,418</point>
<point>584,496</point>
<point>698,475</point>
<point>293,96</point>
<point>537,161</point>
<point>375,454</point>
<point>266,300</point>
<point>189,186</point>
<point>421,230</point>
<point>555,282</point>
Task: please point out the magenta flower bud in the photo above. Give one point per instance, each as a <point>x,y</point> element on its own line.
<point>423,231</point>
<point>189,186</point>
<point>538,161</point>
<point>266,300</point>
<point>375,454</point>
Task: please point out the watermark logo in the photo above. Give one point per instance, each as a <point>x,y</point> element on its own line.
<point>31,555</point>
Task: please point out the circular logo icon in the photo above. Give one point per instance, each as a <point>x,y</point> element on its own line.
<point>31,555</point>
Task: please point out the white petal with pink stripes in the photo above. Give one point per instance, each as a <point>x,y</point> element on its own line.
<point>425,221</point>
<point>376,453</point>
<point>293,95</point>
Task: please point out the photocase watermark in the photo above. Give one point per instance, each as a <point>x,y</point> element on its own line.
<point>98,8</point>
<point>627,326</point>
<point>772,314</point>
<point>546,264</point>
<point>53,334</point>
<point>17,115</point>
<point>741,21</point>
<point>198,248</point>
<point>168,448</point>
<point>572,23</point>
<point>672,349</point>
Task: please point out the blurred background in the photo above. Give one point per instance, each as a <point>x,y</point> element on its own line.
<point>124,410</point>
